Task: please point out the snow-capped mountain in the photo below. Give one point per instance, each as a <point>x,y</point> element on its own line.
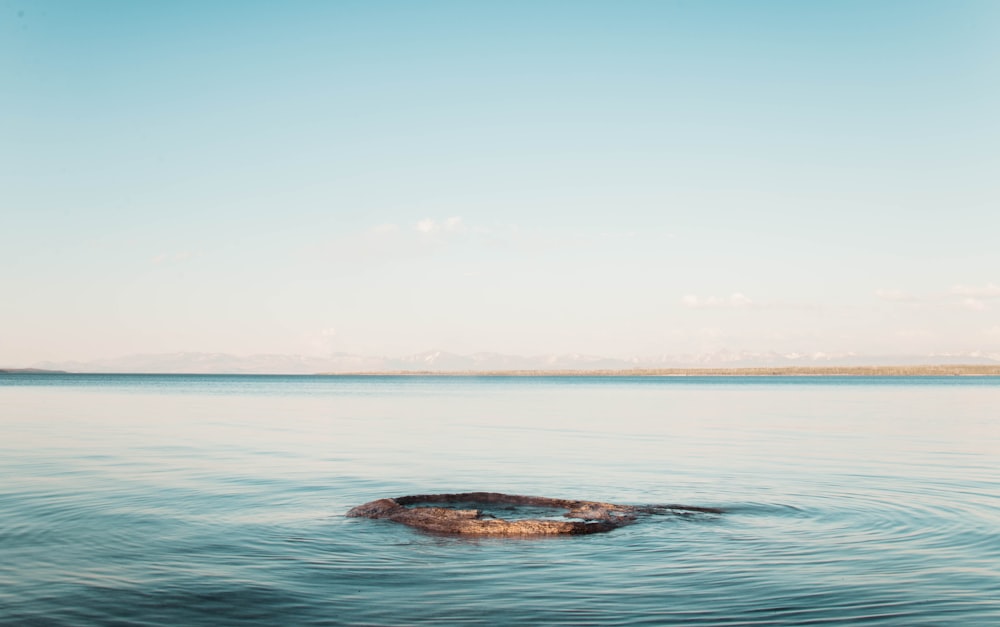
<point>442,361</point>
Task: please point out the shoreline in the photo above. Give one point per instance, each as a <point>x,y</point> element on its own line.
<point>928,370</point>
<point>764,371</point>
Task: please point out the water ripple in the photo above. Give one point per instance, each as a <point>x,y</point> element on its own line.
<point>207,512</point>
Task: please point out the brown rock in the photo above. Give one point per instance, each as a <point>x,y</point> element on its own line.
<point>594,517</point>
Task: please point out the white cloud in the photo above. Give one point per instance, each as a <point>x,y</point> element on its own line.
<point>973,304</point>
<point>972,297</point>
<point>391,242</point>
<point>450,225</point>
<point>977,291</point>
<point>427,226</point>
<point>739,300</point>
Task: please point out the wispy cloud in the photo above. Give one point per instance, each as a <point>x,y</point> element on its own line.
<point>453,224</point>
<point>974,297</point>
<point>977,291</point>
<point>389,241</point>
<point>969,297</point>
<point>973,304</point>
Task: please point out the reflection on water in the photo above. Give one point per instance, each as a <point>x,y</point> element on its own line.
<point>167,500</point>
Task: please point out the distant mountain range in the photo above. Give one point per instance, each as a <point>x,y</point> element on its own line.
<point>440,361</point>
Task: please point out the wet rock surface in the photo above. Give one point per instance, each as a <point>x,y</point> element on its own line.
<point>422,511</point>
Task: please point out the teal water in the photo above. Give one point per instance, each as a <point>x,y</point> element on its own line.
<point>220,500</point>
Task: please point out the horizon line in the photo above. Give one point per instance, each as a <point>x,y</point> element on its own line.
<point>722,371</point>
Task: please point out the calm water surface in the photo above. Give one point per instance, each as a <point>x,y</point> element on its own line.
<point>207,500</point>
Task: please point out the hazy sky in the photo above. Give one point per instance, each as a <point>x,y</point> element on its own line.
<point>617,178</point>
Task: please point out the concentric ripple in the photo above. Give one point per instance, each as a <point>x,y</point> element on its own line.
<point>221,500</point>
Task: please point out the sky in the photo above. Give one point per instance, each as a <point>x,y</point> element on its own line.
<point>619,178</point>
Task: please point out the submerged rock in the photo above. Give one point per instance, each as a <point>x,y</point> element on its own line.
<point>588,516</point>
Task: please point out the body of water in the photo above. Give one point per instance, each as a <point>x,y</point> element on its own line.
<point>220,500</point>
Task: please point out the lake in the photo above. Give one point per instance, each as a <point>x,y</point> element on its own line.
<point>208,500</point>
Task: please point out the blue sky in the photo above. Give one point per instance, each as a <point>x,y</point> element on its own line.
<point>618,178</point>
